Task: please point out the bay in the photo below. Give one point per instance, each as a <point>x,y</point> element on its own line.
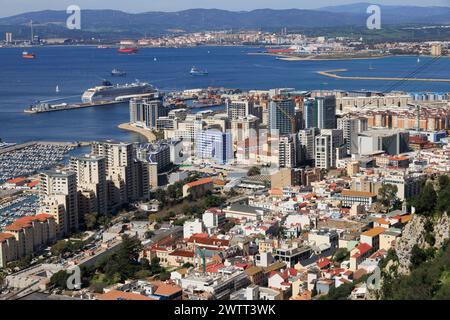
<point>75,69</point>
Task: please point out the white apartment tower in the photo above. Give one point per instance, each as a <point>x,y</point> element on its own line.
<point>329,147</point>
<point>120,166</point>
<point>59,199</point>
<point>91,183</point>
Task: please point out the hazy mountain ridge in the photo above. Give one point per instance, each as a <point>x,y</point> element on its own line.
<point>216,19</point>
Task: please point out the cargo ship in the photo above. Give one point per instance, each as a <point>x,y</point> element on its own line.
<point>107,91</point>
<point>128,50</point>
<point>28,55</point>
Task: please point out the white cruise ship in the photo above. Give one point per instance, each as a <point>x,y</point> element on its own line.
<point>107,91</point>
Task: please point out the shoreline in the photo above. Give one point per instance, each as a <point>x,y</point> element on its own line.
<point>147,134</point>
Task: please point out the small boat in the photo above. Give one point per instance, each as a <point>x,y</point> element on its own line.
<point>154,59</point>
<point>128,50</point>
<point>57,89</point>
<point>102,46</point>
<point>418,60</point>
<point>197,72</point>
<point>118,73</point>
<point>28,55</point>
<point>370,67</point>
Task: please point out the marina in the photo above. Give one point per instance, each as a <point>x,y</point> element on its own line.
<point>28,158</point>
<point>23,204</point>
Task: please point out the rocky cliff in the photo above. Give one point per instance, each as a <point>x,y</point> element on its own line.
<point>417,232</point>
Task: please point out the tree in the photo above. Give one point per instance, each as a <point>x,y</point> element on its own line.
<point>152,218</point>
<point>341,254</point>
<point>65,246</point>
<point>90,220</point>
<point>187,265</point>
<point>104,221</point>
<point>254,171</point>
<point>425,202</point>
<point>161,196</point>
<point>419,256</point>
<point>59,279</point>
<point>155,267</point>
<point>213,201</point>
<point>387,195</point>
<point>227,226</point>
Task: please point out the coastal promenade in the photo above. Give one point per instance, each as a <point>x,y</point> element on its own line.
<point>332,74</point>
<point>145,133</point>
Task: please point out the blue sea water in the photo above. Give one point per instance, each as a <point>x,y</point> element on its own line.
<point>74,69</point>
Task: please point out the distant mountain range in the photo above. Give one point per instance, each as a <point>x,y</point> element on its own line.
<point>121,23</point>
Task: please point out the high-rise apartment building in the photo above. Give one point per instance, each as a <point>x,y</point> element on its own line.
<point>60,199</point>
<point>282,115</point>
<point>329,147</point>
<point>320,112</point>
<point>287,151</point>
<point>214,145</point>
<point>120,166</point>
<point>239,108</point>
<point>306,145</point>
<point>244,128</point>
<point>91,184</point>
<point>145,112</point>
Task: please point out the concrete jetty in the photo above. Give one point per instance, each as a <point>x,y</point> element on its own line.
<point>332,74</point>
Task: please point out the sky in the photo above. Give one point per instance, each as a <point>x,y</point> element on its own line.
<point>12,7</point>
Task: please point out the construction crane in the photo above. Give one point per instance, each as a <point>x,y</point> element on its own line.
<point>201,253</point>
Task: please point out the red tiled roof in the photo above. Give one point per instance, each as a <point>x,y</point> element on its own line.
<point>121,295</point>
<point>26,222</point>
<point>362,248</point>
<point>182,253</point>
<point>209,241</point>
<point>33,184</point>
<point>16,180</point>
<point>322,263</point>
<point>214,268</point>
<point>199,182</point>
<point>166,289</point>
<point>5,236</point>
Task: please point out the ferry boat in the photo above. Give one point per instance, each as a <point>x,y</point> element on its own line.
<point>197,72</point>
<point>107,91</point>
<point>118,73</point>
<point>28,55</point>
<point>128,50</point>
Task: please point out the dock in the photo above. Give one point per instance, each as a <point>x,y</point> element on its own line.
<point>332,74</point>
<point>55,108</point>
